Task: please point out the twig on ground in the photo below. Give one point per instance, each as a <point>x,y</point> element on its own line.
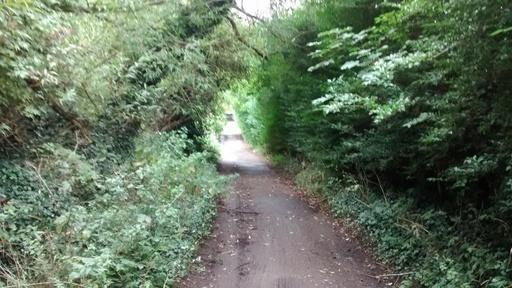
<point>391,275</point>
<point>241,265</point>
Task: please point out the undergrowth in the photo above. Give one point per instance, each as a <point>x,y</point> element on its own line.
<point>138,226</point>
<point>428,247</point>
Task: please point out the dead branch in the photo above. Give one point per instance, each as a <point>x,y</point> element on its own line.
<point>392,275</point>
<point>38,174</point>
<point>86,92</point>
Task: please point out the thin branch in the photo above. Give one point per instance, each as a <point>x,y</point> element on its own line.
<point>89,97</point>
<point>241,265</point>
<point>261,20</point>
<point>381,188</point>
<point>392,275</point>
<point>39,176</point>
<point>254,17</point>
<point>171,125</point>
<point>243,212</point>
<point>71,117</point>
<point>242,39</point>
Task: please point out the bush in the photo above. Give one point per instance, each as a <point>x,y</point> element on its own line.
<point>137,226</point>
<point>95,188</point>
<point>403,102</point>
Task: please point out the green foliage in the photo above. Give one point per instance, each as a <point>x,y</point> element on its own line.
<point>423,93</point>
<point>95,189</point>
<point>431,247</point>
<point>410,99</point>
<point>425,242</point>
<point>137,226</point>
<point>74,62</point>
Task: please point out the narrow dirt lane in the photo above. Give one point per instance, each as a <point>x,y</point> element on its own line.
<point>265,236</point>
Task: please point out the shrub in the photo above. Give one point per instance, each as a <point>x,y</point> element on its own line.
<point>137,226</point>
<point>397,113</point>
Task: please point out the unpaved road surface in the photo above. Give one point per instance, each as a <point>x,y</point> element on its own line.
<point>265,236</point>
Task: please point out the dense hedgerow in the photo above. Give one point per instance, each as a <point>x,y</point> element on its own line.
<point>138,226</point>
<point>431,247</point>
<point>410,99</point>
<point>96,189</point>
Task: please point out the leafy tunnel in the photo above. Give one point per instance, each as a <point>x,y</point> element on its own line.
<point>395,113</point>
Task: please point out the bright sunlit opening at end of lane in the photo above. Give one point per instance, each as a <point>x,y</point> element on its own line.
<point>256,7</point>
<point>263,8</point>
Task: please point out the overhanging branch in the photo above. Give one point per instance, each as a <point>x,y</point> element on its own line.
<point>242,39</point>
<point>261,20</point>
<point>254,17</point>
